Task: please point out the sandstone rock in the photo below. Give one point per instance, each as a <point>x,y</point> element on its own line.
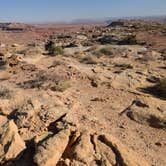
<point>3,120</point>
<point>49,115</point>
<point>11,144</point>
<point>147,116</point>
<point>81,37</point>
<point>50,150</point>
<point>25,113</point>
<point>124,155</point>
<point>103,152</point>
<point>126,80</point>
<point>83,150</point>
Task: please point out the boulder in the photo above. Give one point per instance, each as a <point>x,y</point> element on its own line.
<point>83,150</point>
<point>3,120</point>
<point>49,152</point>
<point>147,116</point>
<point>11,144</point>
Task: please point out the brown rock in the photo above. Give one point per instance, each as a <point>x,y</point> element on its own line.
<point>83,150</point>
<point>51,149</point>
<point>151,115</point>
<point>11,144</point>
<point>124,155</point>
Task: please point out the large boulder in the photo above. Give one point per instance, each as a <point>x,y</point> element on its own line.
<point>11,144</point>
<point>83,150</point>
<point>50,150</point>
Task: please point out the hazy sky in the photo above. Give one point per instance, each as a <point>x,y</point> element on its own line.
<point>64,10</point>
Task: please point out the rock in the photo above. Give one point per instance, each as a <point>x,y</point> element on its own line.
<point>148,111</point>
<point>144,116</point>
<point>124,155</point>
<point>83,150</point>
<point>11,144</point>
<point>25,113</point>
<point>103,152</point>
<point>3,120</point>
<point>50,150</point>
<point>81,37</point>
<point>50,115</point>
<point>126,80</point>
<point>15,45</point>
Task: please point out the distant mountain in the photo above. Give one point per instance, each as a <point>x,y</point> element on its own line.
<point>147,18</point>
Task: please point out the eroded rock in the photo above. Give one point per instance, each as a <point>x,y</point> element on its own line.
<point>11,144</point>
<point>83,150</point>
<point>146,116</point>
<point>124,155</point>
<point>50,150</point>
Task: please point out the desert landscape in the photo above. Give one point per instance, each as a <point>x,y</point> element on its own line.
<point>83,95</point>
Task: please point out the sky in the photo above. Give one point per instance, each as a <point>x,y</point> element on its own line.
<point>68,10</point>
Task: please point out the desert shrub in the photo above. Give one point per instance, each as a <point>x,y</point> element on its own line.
<point>57,51</point>
<point>78,55</point>
<point>49,45</point>
<point>60,86</point>
<point>37,82</point>
<point>89,60</point>
<point>52,49</point>
<point>129,40</point>
<point>105,51</point>
<point>24,52</point>
<point>5,93</point>
<point>94,82</point>
<point>161,87</point>
<point>124,66</point>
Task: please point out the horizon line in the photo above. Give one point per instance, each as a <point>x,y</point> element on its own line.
<point>77,20</point>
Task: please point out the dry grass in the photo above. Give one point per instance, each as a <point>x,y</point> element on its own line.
<point>61,86</point>
<point>124,66</point>
<point>89,60</point>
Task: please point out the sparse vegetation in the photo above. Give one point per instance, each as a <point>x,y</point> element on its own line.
<point>124,66</point>
<point>161,87</point>
<point>37,82</point>
<point>5,93</point>
<point>81,94</point>
<point>104,51</point>
<point>60,86</point>
<point>52,49</point>
<point>158,90</point>
<point>129,40</point>
<point>89,60</point>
